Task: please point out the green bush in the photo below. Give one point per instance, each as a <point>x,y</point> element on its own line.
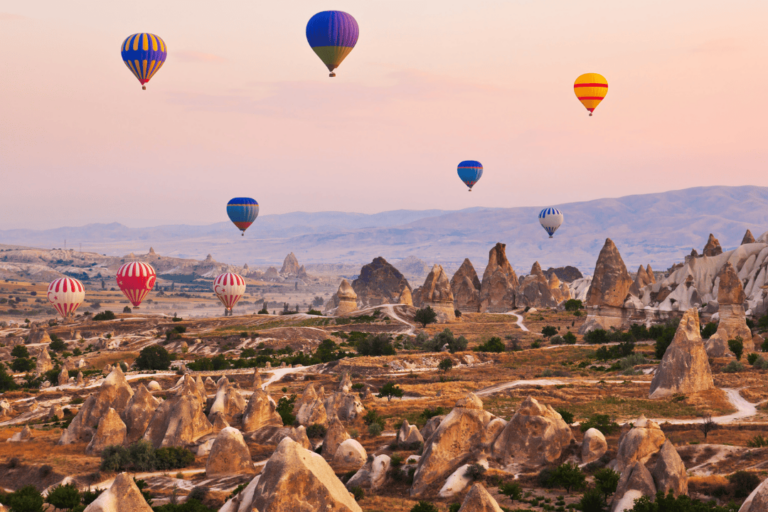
<point>316,431</point>
<point>374,429</point>
<point>492,345</point>
<point>65,497</point>
<point>173,457</point>
<point>606,481</point>
<point>708,330</point>
<point>104,315</point>
<point>376,345</point>
<point>733,367</point>
<point>743,483</point>
<point>511,489</point>
<point>569,338</point>
<point>390,390</point>
<point>424,506</point>
<point>6,380</point>
<point>20,351</point>
<point>444,338</point>
<point>670,503</point>
<point>56,344</point>
<point>357,492</point>
<point>26,499</point>
<point>285,409</point>
<point>737,347</point>
<point>445,365</point>
<point>153,357</point>
<point>592,501</point>
<point>141,456</point>
<point>475,471</point>
<point>757,442</point>
<point>567,415</point>
<point>752,357</point>
<point>548,331</point>
<point>601,422</point>
<point>426,316</point>
<point>568,476</point>
<point>573,305</point>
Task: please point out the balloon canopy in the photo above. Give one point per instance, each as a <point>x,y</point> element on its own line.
<point>590,89</point>
<point>470,172</point>
<point>229,288</point>
<point>332,35</point>
<point>136,280</point>
<point>144,54</point>
<point>242,212</point>
<point>66,295</point>
<point>550,219</point>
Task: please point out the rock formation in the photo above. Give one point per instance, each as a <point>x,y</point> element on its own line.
<point>22,436</point>
<point>137,414</point>
<point>748,238</point>
<point>229,455</point>
<point>228,402</point>
<point>535,435</point>
<point>345,384</point>
<point>436,293</point>
<point>310,409</point>
<point>153,385</point>
<point>291,266</point>
<point>346,406</point>
<point>350,455</point>
<point>431,426</point>
<point>260,412</point>
<point>409,434</point>
<point>180,419</point>
<point>593,446</point>
<point>346,298</point>
<point>111,431</point>
<point>560,291</point>
<point>37,336</point>
<point>273,435</point>
<point>219,422</point>
<point>669,472</point>
<point>636,481</point>
<point>465,287</point>
<point>334,436</point>
<point>684,367</point>
<point>639,444</point>
<point>733,320</point>
<point>113,393</point>
<point>479,500</point>
<point>63,377</point>
<point>758,500</point>
<point>608,291</point>
<point>372,475</point>
<point>122,496</point>
<point>79,380</point>
<point>44,362</point>
<point>380,283</point>
<point>497,290</point>
<point>301,481</point>
<point>713,246</point>
<point>564,274</point>
<point>534,290</point>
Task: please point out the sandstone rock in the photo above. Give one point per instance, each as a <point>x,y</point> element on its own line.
<point>758,500</point>
<point>298,480</point>
<point>436,293</point>
<point>229,402</point>
<point>201,386</point>
<point>593,446</point>
<point>63,377</point>
<point>111,431</point>
<point>650,274</point>
<point>479,500</point>
<point>346,298</point>
<point>497,290</point>
<point>350,454</point>
<point>5,408</point>
<point>566,274</point>
<point>379,283</point>
<point>534,290</point>
<point>748,238</point>
<point>470,401</point>
<point>639,444</point>
<point>465,287</point>
<point>730,290</point>
<point>219,422</point>
<point>138,413</point>
<point>635,482</point>
<point>122,496</point>
<point>80,380</point>
<point>113,393</point>
<point>409,434</point>
<point>229,455</point>
<point>669,472</point>
<point>535,435</point>
<point>37,336</point>
<point>733,320</point>
<point>611,281</point>
<point>21,437</point>
<point>209,382</point>
<point>310,409</point>
<point>406,297</point>
<point>641,281</point>
<point>372,475</point>
<point>345,384</point>
<point>154,386</point>
<point>273,435</point>
<point>260,412</point>
<point>713,246</point>
<point>431,426</point>
<point>334,436</point>
<point>345,406</point>
<point>180,419</point>
<point>44,362</point>
<point>462,437</point>
<point>684,367</point>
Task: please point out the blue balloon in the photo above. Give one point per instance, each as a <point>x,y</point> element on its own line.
<point>332,35</point>
<point>242,212</point>
<point>470,172</point>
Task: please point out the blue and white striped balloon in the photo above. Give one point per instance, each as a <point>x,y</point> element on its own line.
<point>550,219</point>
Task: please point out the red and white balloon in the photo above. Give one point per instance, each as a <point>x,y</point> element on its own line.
<point>229,288</point>
<point>136,280</point>
<point>66,295</point>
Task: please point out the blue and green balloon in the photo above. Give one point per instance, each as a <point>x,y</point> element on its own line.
<point>242,212</point>
<point>332,34</point>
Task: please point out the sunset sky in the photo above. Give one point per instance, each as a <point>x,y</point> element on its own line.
<point>243,106</point>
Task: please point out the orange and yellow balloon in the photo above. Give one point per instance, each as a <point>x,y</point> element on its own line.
<point>591,89</point>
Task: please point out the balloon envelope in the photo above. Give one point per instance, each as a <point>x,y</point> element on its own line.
<point>332,35</point>
<point>242,212</point>
<point>66,295</point>
<point>144,54</point>
<point>229,288</point>
<point>136,280</point>
<point>591,89</point>
<point>470,172</point>
<point>550,219</point>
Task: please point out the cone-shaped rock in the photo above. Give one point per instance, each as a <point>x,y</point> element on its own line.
<point>669,472</point>
<point>138,413</point>
<point>733,320</point>
<point>44,362</point>
<point>179,420</point>
<point>436,293</point>
<point>611,281</point>
<point>122,496</point>
<point>229,455</point>
<point>111,431</point>
<point>479,500</point>
<point>334,436</point>
<point>535,291</point>
<point>228,402</point>
<point>260,412</point>
<point>379,283</point>
<point>347,298</point>
<point>713,246</point>
<point>497,290</point>
<point>748,238</point>
<point>465,286</point>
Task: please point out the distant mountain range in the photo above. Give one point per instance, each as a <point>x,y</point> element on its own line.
<point>651,228</point>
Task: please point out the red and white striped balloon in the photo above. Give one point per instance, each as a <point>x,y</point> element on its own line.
<point>66,295</point>
<point>229,288</point>
<point>136,280</point>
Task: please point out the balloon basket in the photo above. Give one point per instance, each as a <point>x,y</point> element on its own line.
<point>144,88</point>
<point>332,75</point>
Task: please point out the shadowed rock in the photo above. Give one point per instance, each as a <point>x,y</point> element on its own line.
<point>372,475</point>
<point>44,362</point>
<point>611,281</point>
<point>479,500</point>
<point>669,472</point>
<point>228,402</point>
<point>379,283</point>
<point>350,455</point>
<point>733,320</point>
<point>111,431</point>
<point>180,419</point>
<point>229,455</point>
<point>465,287</point>
<point>334,436</point>
<point>534,290</point>
<point>409,434</point>
<point>497,290</point>
<point>758,500</point>
<point>713,246</point>
<point>260,412</point>
<point>639,444</point>
<point>635,482</point>
<point>138,413</point>
<point>436,293</point>
<point>593,446</point>
<point>748,238</point>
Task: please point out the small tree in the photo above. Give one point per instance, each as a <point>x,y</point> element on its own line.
<point>126,309</point>
<point>19,351</point>
<point>568,476</point>
<point>390,390</point>
<point>548,331</point>
<point>708,425</point>
<point>445,365</point>
<point>573,305</point>
<point>424,506</point>
<point>570,338</point>
<point>606,481</point>
<point>57,345</point>
<point>426,316</point>
<point>65,497</point>
<point>737,347</point>
<point>153,357</point>
<point>26,499</point>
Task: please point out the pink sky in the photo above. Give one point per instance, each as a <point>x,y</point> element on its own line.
<point>244,107</point>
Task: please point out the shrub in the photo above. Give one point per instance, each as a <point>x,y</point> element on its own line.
<point>426,316</point>
<point>708,330</point>
<point>153,357</point>
<point>567,415</point>
<point>173,458</point>
<point>536,344</point>
<point>199,493</point>
<point>65,497</point>
<point>390,390</point>
<point>737,347</point>
<point>548,331</point>
<point>743,483</point>
<point>285,409</point>
<point>373,417</point>
<point>570,338</point>
<point>20,351</point>
<point>752,357</point>
<point>757,442</point>
<point>512,489</point>
<point>601,422</point>
<point>6,380</point>
<point>445,365</point>
<point>89,496</point>
<point>26,499</point>
<point>598,336</point>
<point>454,507</point>
<point>492,345</point>
<point>568,476</point>
<point>457,313</point>
<point>573,305</point>
<point>424,506</point>
<point>378,345</point>
<point>374,429</point>
<point>733,367</point>
<point>127,309</point>
<point>606,481</point>
<point>57,345</point>
<point>557,340</point>
<point>357,492</point>
<point>475,471</point>
<point>315,431</point>
<point>104,315</point>
<point>683,503</point>
<point>113,458</point>
<point>764,346</point>
<point>592,501</point>
<point>442,339</point>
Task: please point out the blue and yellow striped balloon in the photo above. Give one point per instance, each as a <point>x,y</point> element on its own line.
<point>242,212</point>
<point>470,172</point>
<point>332,34</point>
<point>144,54</point>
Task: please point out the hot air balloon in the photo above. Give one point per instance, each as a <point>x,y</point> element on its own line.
<point>242,212</point>
<point>66,295</point>
<point>144,54</point>
<point>591,88</point>
<point>470,172</point>
<point>136,280</point>
<point>332,34</point>
<point>550,219</point>
<point>229,288</point>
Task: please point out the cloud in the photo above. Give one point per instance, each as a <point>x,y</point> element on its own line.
<point>191,56</point>
<point>725,45</point>
<point>7,16</point>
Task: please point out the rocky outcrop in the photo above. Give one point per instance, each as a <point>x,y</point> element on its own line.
<point>114,393</point>
<point>111,431</point>
<point>274,435</point>
<point>44,362</point>
<point>464,436</point>
<point>291,267</point>
<point>310,409</point>
<point>608,290</point>
<point>669,472</point>
<point>713,246</point>
<point>535,435</point>
<point>346,298</point>
<point>593,446</point>
<point>560,291</point>
<point>37,336</point>
<point>409,434</point>
<point>122,496</point>
<point>79,380</point>
<point>63,377</point>
<point>138,413</point>
<point>260,412</point>
<point>431,426</point>
<point>345,406</point>
<point>566,274</point>
<point>733,320</point>
<point>639,444</point>
<point>299,480</point>
<point>180,419</point>
<point>685,366</point>
<point>758,500</point>
<point>436,293</point>
<point>350,455</point>
<point>641,281</point>
<point>479,500</point>
<point>372,475</point>
<point>465,287</point>
<point>334,436</point>
<point>379,283</point>
<point>636,481</point>
<point>650,274</point>
<point>748,238</point>
<point>497,290</point>
<point>228,402</point>
<point>229,455</point>
<point>22,436</point>
<point>534,290</point>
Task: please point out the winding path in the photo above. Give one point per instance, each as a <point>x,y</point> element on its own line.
<point>519,320</point>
